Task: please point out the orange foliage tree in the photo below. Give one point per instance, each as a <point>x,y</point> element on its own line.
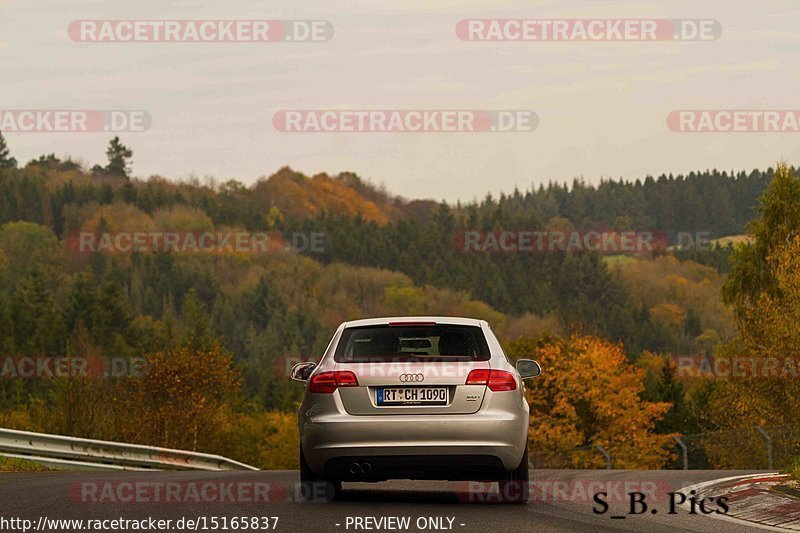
<point>589,395</point>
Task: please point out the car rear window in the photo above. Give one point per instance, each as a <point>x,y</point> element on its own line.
<point>386,343</point>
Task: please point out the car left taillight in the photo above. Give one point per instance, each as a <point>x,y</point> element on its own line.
<point>496,380</point>
<point>327,382</point>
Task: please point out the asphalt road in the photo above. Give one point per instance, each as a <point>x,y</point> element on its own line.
<point>561,500</point>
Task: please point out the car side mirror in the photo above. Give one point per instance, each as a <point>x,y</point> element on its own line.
<point>528,368</point>
<point>301,371</point>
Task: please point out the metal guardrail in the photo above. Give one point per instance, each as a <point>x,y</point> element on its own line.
<point>64,452</point>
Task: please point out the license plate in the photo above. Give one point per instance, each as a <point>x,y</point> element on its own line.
<point>412,396</point>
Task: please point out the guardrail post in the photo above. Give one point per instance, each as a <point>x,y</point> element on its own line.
<point>768,441</point>
<point>684,452</point>
<point>606,455</point>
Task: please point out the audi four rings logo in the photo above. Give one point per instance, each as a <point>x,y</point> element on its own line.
<point>409,378</point>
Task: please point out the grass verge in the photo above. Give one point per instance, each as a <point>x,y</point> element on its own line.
<point>8,464</point>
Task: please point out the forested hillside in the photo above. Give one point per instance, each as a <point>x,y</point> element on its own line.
<point>379,254</point>
<point>366,226</point>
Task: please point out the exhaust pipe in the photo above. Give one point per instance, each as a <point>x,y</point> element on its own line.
<point>360,468</point>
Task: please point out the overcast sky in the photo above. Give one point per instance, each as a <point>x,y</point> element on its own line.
<point>602,107</point>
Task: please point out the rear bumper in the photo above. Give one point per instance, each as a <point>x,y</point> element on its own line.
<point>413,446</point>
<point>441,467</point>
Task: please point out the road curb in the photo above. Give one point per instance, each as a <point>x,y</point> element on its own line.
<point>751,503</point>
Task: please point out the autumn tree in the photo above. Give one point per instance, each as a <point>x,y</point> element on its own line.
<point>589,395</point>
<point>24,245</point>
<point>766,391</point>
<point>186,395</point>
<point>764,289</point>
<point>267,440</point>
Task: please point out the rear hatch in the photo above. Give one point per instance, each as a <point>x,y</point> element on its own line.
<point>412,368</point>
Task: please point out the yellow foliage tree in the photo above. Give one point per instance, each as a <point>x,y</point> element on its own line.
<point>182,218</point>
<point>671,288</point>
<point>766,389</point>
<point>184,397</point>
<point>589,395</point>
<point>269,441</point>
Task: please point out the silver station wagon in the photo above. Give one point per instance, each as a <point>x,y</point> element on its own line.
<point>414,398</point>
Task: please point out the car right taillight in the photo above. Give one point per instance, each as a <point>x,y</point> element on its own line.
<point>496,380</point>
<point>327,382</point>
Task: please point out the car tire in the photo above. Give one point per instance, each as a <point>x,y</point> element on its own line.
<point>315,488</point>
<point>514,488</point>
